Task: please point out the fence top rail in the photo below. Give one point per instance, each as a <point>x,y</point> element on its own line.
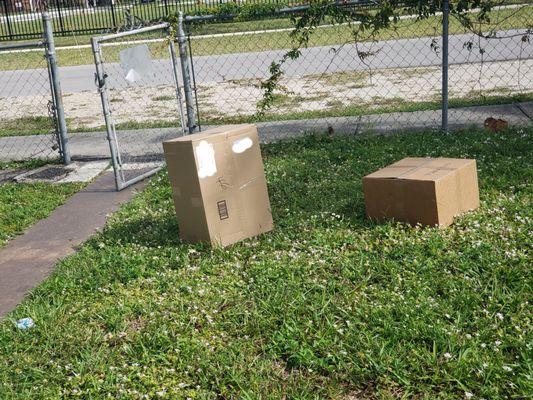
<point>25,45</point>
<point>106,38</point>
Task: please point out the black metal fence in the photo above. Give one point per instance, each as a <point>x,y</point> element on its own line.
<point>20,19</point>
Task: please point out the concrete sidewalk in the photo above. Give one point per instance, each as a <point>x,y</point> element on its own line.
<point>29,258</point>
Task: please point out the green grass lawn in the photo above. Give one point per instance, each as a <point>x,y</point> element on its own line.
<point>24,126</point>
<point>21,205</point>
<point>329,305</point>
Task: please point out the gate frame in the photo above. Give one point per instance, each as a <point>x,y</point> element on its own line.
<point>101,77</point>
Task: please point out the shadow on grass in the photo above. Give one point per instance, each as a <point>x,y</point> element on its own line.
<point>147,231</point>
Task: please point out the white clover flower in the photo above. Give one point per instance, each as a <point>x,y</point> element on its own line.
<point>507,368</point>
<point>468,395</point>
<point>447,356</point>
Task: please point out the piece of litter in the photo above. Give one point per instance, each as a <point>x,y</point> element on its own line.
<point>136,63</point>
<point>25,323</point>
<point>496,125</point>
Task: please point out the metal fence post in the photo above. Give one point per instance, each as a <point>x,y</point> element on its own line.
<point>55,86</point>
<point>8,22</point>
<point>113,17</point>
<point>60,17</point>
<point>193,74</point>
<point>172,50</point>
<point>186,74</point>
<point>445,63</point>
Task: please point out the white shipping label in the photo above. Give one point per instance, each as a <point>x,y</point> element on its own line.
<point>205,154</point>
<point>241,145</point>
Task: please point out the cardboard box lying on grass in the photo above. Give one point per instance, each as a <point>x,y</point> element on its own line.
<point>429,191</point>
<point>218,185</point>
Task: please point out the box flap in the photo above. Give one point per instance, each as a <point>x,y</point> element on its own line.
<point>423,169</point>
<point>411,162</point>
<point>224,131</point>
<point>398,168</point>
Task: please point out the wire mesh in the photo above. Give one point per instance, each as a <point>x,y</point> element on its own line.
<point>385,82</point>
<point>143,99</point>
<point>491,69</point>
<point>27,122</point>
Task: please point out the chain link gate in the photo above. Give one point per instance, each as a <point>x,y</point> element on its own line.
<point>137,77</point>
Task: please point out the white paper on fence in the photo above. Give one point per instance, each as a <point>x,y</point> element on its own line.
<point>133,76</point>
<point>137,63</point>
<point>205,155</point>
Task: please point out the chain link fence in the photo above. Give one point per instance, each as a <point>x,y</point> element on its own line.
<point>386,82</point>
<point>491,70</point>
<point>27,125</point>
<point>341,83</point>
<point>137,75</point>
<point>32,124</point>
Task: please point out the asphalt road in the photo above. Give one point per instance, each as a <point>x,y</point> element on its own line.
<point>400,53</point>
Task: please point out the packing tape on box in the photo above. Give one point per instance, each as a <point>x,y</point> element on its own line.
<point>241,145</point>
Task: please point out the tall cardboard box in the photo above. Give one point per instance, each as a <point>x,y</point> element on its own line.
<point>218,185</point>
<point>429,191</point>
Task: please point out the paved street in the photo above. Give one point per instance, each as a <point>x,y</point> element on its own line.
<point>402,53</point>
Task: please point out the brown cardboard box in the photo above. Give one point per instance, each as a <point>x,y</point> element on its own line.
<point>218,185</point>
<point>429,191</point>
